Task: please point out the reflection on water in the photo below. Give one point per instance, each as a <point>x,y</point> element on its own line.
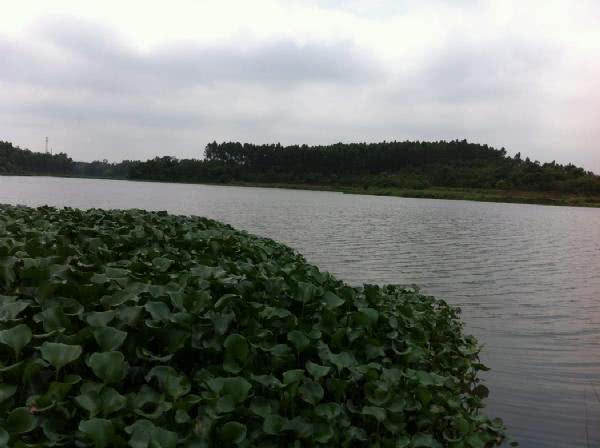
<point>526,277</point>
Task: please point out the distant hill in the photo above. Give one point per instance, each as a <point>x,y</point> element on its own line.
<point>412,165</point>
<point>409,165</point>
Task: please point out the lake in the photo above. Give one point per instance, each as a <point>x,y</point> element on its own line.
<point>527,277</point>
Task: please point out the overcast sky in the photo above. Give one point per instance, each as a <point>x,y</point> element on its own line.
<point>131,80</point>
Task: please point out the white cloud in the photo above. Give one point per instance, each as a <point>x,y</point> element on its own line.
<point>135,79</point>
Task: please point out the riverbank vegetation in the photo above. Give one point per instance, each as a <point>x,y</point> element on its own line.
<point>455,169</point>
<point>140,329</point>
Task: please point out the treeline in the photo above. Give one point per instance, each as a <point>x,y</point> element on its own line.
<point>14,160</point>
<point>407,165</point>
<point>410,165</point>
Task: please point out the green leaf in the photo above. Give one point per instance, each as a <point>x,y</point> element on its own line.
<point>162,438</point>
<point>100,318</point>
<point>311,392</point>
<point>226,404</point>
<point>6,391</point>
<point>112,401</point>
<point>424,441</point>
<point>109,338</point>
<point>16,338</point>
<point>237,387</point>
<point>237,347</point>
<point>162,264</point>
<point>110,367</point>
<point>89,401</point>
<point>331,300</point>
<point>375,411</point>
<point>236,353</point>
<point>4,437</point>
<point>342,360</point>
<point>316,370</point>
<point>141,433</point>
<point>233,433</point>
<point>298,339</point>
<point>20,421</point>
<point>273,424</point>
<point>174,383</point>
<point>328,411</point>
<point>100,431</point>
<point>10,310</point>
<point>59,355</point>
<point>293,376</point>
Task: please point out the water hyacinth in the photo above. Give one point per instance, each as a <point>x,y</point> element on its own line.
<point>142,329</point>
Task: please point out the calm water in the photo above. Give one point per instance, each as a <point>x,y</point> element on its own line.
<point>527,277</point>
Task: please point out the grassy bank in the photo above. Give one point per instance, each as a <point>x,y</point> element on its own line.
<point>139,329</point>
<point>466,194</point>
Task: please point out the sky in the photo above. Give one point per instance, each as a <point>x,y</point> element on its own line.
<point>132,80</point>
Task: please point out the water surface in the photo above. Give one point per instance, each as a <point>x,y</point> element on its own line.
<point>527,277</point>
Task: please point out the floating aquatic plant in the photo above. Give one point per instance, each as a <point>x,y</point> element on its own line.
<point>147,330</point>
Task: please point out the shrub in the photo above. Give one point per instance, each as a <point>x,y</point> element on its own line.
<point>131,328</point>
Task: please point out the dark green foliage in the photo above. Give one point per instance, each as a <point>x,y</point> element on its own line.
<point>406,165</point>
<point>130,328</point>
<point>414,166</point>
<point>14,160</point>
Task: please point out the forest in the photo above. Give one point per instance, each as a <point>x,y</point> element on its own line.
<point>411,165</point>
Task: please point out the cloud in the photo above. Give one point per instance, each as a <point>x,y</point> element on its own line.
<point>114,86</point>
<point>73,54</point>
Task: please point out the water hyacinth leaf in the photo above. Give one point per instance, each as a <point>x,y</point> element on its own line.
<point>262,407</point>
<point>226,404</point>
<point>7,272</point>
<point>90,402</point>
<point>481,391</point>
<point>99,430</point>
<point>58,354</point>
<point>237,347</point>
<point>158,310</point>
<point>7,391</point>
<point>302,428</point>
<point>110,367</point>
<point>328,411</point>
<point>10,310</point>
<point>311,392</point>
<point>100,318</point>
<point>16,337</point>
<point>273,424</point>
<point>162,264</point>
<point>293,376</point>
<point>173,382</point>
<point>237,387</point>
<point>425,441</point>
<point>316,370</point>
<point>342,360</point>
<point>162,438</point>
<point>375,411</point>
<point>182,417</point>
<point>298,339</point>
<point>324,433</point>
<point>141,433</point>
<point>112,401</point>
<point>109,338</point>
<point>20,421</point>
<point>331,300</point>
<point>233,433</point>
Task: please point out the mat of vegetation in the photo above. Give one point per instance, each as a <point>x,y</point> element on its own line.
<point>140,329</point>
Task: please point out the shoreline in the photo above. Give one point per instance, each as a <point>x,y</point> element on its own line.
<point>464,194</point>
